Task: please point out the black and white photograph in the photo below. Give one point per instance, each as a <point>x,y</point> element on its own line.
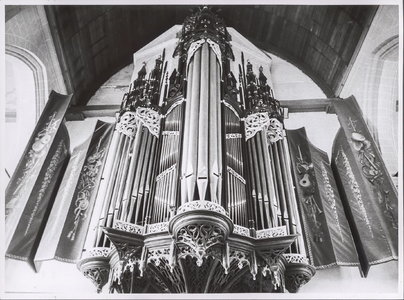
<point>179,150</point>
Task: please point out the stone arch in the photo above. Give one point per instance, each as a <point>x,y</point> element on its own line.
<point>382,95</point>
<point>39,72</point>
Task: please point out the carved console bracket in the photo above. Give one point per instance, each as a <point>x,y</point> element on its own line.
<point>298,272</point>
<point>96,268</point>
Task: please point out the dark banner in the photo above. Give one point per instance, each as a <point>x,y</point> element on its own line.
<point>28,232</point>
<point>337,223</point>
<point>366,187</point>
<point>328,237</point>
<point>31,163</point>
<point>50,239</point>
<point>78,218</point>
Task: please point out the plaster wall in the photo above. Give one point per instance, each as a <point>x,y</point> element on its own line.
<point>29,29</point>
<point>373,81</point>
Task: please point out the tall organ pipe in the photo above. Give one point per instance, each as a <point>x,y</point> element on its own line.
<point>107,178</point>
<point>110,188</point>
<point>269,178</point>
<point>185,136</point>
<point>203,133</point>
<point>201,163</point>
<point>214,112</point>
<point>131,173</point>
<point>192,149</point>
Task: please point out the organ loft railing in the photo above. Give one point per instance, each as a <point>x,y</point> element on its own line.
<point>197,193</point>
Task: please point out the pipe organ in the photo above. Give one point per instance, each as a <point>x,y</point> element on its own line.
<point>197,195</point>
<point>197,187</point>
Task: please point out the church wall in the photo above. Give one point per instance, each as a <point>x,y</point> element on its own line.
<point>373,81</point>
<point>30,30</point>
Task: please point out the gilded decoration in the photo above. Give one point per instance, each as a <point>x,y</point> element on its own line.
<point>87,182</point>
<point>355,188</point>
<point>36,156</point>
<point>331,199</point>
<point>50,172</point>
<point>371,169</point>
<point>307,182</point>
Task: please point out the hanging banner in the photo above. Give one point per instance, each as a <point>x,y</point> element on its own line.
<point>28,232</point>
<point>367,189</point>
<point>341,236</point>
<point>53,230</point>
<point>328,236</point>
<point>79,214</point>
<point>27,171</point>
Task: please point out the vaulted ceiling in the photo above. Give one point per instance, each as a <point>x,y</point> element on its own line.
<point>94,42</point>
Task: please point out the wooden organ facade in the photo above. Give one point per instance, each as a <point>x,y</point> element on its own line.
<point>198,187</point>
<point>198,194</point>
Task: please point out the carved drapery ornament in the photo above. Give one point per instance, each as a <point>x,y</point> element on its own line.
<point>127,124</point>
<point>146,116</point>
<point>261,121</point>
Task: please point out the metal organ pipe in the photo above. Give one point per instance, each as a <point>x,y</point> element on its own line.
<point>192,150</point>
<point>201,163</point>
<point>214,125</point>
<point>107,178</point>
<point>203,133</point>
<point>185,145</point>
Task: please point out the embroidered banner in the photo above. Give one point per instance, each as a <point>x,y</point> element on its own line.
<point>28,232</point>
<point>27,171</point>
<point>78,218</point>
<point>341,236</point>
<point>367,189</point>
<point>53,230</point>
<point>328,237</point>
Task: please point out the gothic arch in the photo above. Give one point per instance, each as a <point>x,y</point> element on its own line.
<point>382,95</point>
<point>39,72</point>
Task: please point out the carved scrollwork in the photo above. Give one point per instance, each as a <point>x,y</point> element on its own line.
<point>255,123</point>
<point>129,227</point>
<point>233,136</point>
<point>127,124</point>
<point>200,237</point>
<point>294,258</point>
<point>149,118</point>
<point>274,130</point>
<point>271,232</point>
<point>157,227</point>
<point>241,230</point>
<point>98,251</point>
<point>203,205</point>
